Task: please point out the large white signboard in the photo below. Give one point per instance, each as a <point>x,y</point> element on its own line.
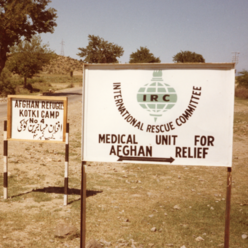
<point>178,114</point>
<point>37,118</point>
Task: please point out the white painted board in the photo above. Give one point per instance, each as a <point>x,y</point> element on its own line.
<point>172,114</point>
<point>37,120</point>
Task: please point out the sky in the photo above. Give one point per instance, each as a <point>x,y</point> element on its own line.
<point>213,28</point>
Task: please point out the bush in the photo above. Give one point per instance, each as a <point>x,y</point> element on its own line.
<point>241,92</point>
<point>242,78</point>
<point>6,86</point>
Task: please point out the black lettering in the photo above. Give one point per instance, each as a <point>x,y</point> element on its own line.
<point>33,113</point>
<point>148,151</point>
<point>210,140</point>
<point>118,150</point>
<point>122,141</point>
<point>117,86</point>
<point>177,122</point>
<point>129,139</point>
<point>134,140</point>
<point>52,114</point>
<point>178,152</point>
<point>186,114</point>
<point>113,138</point>
<point>108,138</point>
<point>199,152</point>
<point>196,88</point>
<point>197,93</point>
<point>184,152</point>
<point>133,151</point>
<point>157,129</point>
<point>203,140</point>
<point>154,98</point>
<point>141,151</point>
<point>158,139</point>
<point>125,150</point>
<point>189,153</point>
<point>153,127</point>
<point>196,139</point>
<point>101,138</point>
<point>164,98</point>
<point>112,150</point>
<point>174,139</point>
<point>118,101</point>
<point>167,127</point>
<point>148,129</point>
<point>133,121</point>
<point>171,126</point>
<point>205,151</point>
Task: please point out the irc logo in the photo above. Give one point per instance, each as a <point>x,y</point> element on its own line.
<point>157,97</point>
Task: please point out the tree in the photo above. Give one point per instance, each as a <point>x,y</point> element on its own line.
<point>23,19</point>
<point>28,58</point>
<point>143,55</point>
<point>242,78</point>
<point>188,57</point>
<point>100,51</point>
<point>6,86</point>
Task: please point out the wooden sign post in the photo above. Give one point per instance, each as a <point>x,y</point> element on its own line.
<point>36,119</point>
<point>83,206</point>
<point>228,207</point>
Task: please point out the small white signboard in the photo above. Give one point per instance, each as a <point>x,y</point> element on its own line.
<point>178,114</point>
<point>37,118</point>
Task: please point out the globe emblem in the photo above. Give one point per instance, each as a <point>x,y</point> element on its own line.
<point>157,97</point>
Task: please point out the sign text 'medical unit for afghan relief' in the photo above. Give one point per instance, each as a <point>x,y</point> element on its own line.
<point>177,116</point>
<point>37,119</point>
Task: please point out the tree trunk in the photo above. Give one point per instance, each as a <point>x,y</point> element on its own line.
<point>3,58</point>
<point>25,82</point>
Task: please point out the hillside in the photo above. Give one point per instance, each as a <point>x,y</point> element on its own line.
<point>63,65</point>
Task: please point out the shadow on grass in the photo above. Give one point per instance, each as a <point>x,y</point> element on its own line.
<point>60,190</point>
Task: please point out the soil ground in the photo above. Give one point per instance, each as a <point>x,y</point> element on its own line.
<point>124,202</point>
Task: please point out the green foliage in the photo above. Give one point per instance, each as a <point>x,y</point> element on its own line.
<point>6,86</point>
<point>143,55</point>
<point>23,19</point>
<point>188,57</point>
<point>100,51</point>
<point>28,58</point>
<point>242,78</point>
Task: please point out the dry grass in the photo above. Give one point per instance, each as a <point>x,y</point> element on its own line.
<point>241,92</point>
<point>123,201</point>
